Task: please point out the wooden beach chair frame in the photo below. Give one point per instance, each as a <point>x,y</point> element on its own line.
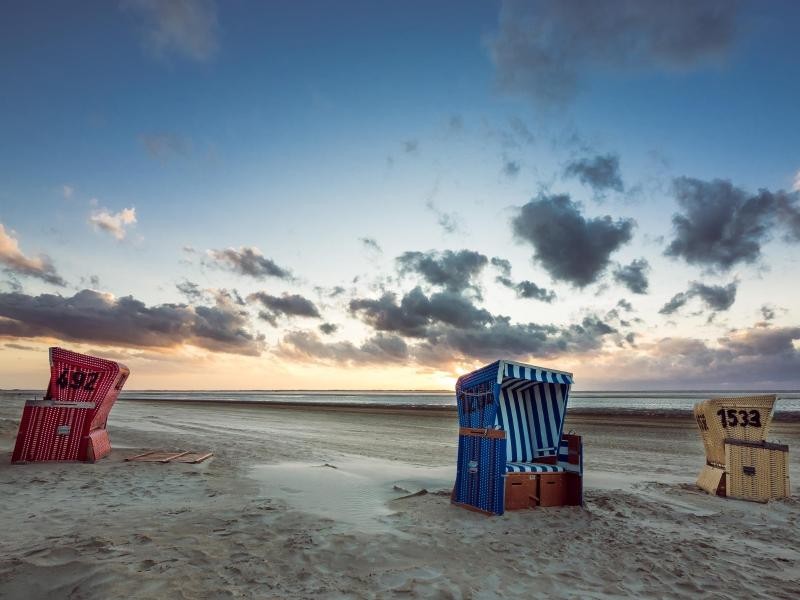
<point>70,422</point>
<point>512,451</point>
<point>739,461</point>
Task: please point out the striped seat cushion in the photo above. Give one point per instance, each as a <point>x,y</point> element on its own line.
<point>523,467</point>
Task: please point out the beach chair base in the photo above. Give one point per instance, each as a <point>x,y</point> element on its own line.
<point>712,480</point>
<point>532,490</point>
<point>97,445</point>
<point>757,471</point>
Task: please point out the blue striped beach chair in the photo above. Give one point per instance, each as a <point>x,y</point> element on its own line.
<point>512,452</point>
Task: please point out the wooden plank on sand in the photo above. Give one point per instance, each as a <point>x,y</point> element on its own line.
<point>161,457</point>
<point>194,457</point>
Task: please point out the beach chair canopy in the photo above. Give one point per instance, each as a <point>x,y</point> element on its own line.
<point>527,402</point>
<point>745,418</point>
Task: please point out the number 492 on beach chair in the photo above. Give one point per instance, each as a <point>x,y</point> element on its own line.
<point>69,423</point>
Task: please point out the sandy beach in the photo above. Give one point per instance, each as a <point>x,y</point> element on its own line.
<point>354,503</point>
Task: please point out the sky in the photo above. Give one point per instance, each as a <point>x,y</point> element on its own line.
<point>384,195</point>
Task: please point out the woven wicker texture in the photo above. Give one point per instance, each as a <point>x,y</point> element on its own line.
<point>710,479</point>
<point>757,473</point>
<point>740,418</point>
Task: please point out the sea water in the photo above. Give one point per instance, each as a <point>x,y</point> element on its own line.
<point>789,401</point>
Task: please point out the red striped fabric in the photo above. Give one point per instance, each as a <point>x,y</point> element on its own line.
<point>56,429</point>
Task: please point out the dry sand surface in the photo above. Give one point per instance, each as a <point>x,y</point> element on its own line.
<point>266,518</point>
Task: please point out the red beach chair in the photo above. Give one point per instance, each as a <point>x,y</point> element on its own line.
<point>70,422</point>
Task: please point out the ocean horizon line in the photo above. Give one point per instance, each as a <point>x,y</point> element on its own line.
<point>128,392</point>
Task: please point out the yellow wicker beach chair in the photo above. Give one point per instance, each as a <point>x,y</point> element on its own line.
<point>739,462</point>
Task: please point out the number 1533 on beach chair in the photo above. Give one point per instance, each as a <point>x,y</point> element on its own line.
<point>69,423</point>
<point>512,452</point>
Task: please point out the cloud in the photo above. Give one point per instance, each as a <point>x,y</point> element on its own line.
<point>307,347</point>
<point>287,305</point>
<point>67,191</point>
<point>191,291</point>
<point>571,247</point>
<point>410,146</point>
<point>328,328</point>
<point>600,172</point>
<point>249,261</point>
<point>524,289</point>
<point>16,263</point>
<point>185,27</point>
<point>527,289</point>
<point>22,347</point>
<point>114,223</point>
<point>762,341</point>
<point>722,225</point>
<point>520,129</point>
<point>503,338</point>
<point>431,332</point>
<point>449,222</point>
<point>222,295</point>
<point>91,316</point>
<point>625,305</point>
<point>511,168</point>
<point>717,298</point>
<point>447,327</point>
<point>674,303</point>
<point>796,182</point>
<point>370,245</point>
<point>542,49</point>
<point>767,312</point>
<point>164,145</point>
<point>455,271</point>
<point>455,124</point>
<point>756,357</point>
<point>415,312</point>
<point>502,265</point>
<point>634,275</point>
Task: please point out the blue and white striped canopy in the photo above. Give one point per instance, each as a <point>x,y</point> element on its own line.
<point>530,404</point>
<point>519,371</point>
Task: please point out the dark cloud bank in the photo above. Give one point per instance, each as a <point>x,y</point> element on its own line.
<point>760,356</point>
<point>444,326</point>
<point>90,316</point>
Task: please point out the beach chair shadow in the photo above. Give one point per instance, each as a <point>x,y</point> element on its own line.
<point>740,463</point>
<point>512,452</point>
<point>69,423</point>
